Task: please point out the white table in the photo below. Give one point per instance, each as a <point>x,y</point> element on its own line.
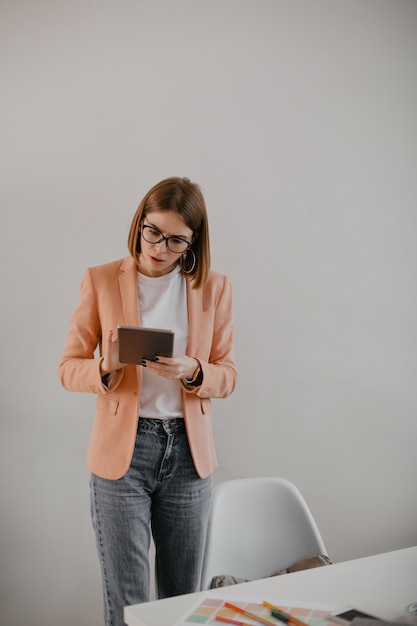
<point>382,585</point>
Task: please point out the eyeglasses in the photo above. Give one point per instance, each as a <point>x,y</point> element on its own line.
<point>175,244</point>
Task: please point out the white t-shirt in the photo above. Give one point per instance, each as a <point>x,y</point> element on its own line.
<point>163,304</point>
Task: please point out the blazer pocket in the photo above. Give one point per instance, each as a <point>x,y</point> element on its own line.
<point>107,404</point>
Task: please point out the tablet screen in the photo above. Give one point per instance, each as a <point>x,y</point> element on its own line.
<point>138,343</point>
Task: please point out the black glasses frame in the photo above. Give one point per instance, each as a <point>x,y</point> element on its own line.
<point>167,239</point>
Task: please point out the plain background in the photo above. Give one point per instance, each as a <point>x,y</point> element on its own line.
<point>298,120</point>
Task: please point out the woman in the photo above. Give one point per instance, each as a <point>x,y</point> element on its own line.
<point>151,451</point>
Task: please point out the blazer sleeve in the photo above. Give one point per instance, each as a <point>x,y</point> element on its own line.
<point>78,370</point>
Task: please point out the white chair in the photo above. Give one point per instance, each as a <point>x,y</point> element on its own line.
<point>257,527</point>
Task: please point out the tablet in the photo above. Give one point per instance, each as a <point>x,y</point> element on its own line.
<point>138,343</point>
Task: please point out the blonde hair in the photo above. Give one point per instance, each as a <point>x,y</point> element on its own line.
<point>184,198</point>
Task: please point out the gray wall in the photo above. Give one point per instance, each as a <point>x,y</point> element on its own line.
<point>298,119</point>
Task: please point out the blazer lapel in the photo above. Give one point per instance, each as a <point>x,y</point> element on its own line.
<point>129,291</point>
<point>195,316</point>
<point>129,295</point>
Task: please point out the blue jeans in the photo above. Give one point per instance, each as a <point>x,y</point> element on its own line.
<point>162,493</point>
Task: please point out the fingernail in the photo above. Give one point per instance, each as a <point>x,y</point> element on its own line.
<point>143,362</point>
<point>156,359</point>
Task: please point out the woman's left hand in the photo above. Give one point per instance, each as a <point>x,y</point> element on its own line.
<point>174,367</point>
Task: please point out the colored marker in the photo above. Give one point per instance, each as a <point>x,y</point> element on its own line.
<point>257,618</point>
<point>279,615</point>
<point>289,618</point>
<point>229,620</point>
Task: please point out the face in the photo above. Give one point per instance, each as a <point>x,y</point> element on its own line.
<point>156,259</point>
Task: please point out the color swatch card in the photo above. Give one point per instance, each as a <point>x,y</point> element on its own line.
<point>237,611</point>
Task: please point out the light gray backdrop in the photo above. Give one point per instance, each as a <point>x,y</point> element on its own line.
<point>298,119</point>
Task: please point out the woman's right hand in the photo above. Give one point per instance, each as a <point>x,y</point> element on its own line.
<point>110,362</point>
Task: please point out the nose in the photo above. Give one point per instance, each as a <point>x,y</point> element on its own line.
<point>161,243</point>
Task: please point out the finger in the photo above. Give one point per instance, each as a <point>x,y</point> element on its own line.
<point>163,370</point>
<point>109,340</point>
<point>165,360</point>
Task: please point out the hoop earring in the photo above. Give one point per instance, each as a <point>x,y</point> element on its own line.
<point>193,264</point>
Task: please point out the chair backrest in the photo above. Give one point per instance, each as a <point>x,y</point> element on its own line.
<point>256,527</point>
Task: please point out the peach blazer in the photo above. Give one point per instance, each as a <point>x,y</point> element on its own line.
<point>109,297</point>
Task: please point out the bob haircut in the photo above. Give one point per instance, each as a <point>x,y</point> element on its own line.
<point>184,198</point>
